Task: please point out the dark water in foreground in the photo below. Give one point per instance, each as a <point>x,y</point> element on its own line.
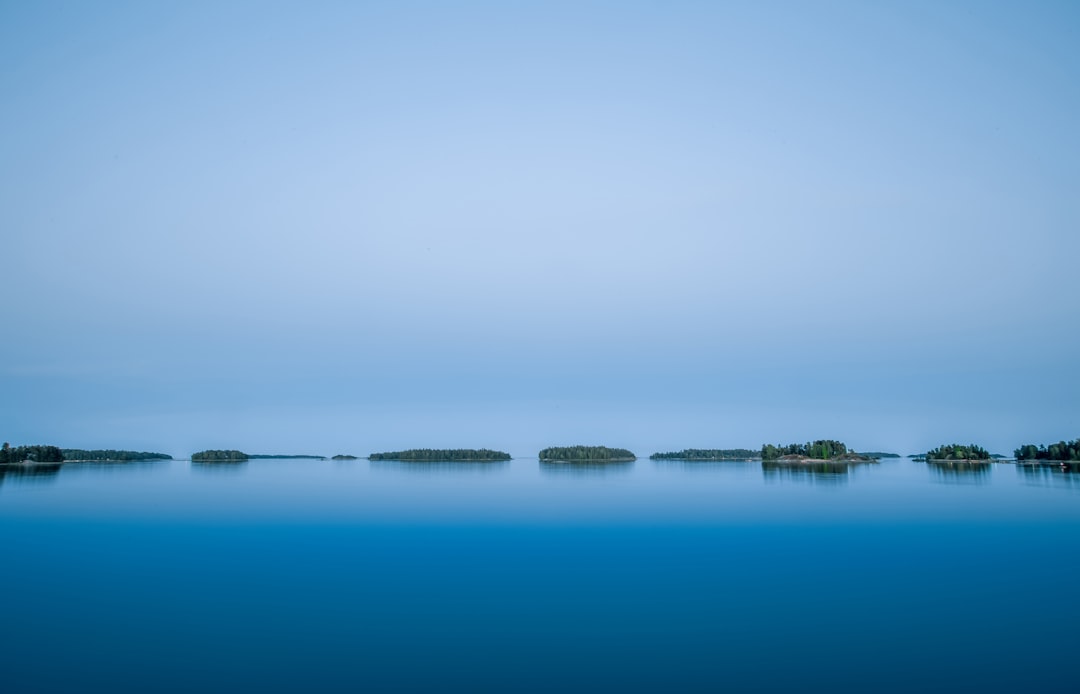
<point>653,576</point>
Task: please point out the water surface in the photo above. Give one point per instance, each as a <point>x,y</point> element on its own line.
<point>289,575</point>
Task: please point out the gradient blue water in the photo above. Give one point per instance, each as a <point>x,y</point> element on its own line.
<point>356,576</point>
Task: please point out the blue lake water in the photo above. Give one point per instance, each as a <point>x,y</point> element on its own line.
<point>306,575</point>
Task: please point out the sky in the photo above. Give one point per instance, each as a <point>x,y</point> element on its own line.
<point>349,227</point>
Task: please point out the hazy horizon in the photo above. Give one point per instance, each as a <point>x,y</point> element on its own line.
<point>344,229</point>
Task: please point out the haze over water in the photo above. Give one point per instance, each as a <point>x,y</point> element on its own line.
<point>412,224</point>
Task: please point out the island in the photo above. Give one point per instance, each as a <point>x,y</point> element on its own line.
<point>232,456</point>
<point>216,456</point>
<point>450,455</point>
<point>586,454</point>
<point>879,455</point>
<point>709,454</point>
<point>1060,452</point>
<point>822,450</point>
<point>80,455</point>
<point>958,453</point>
<point>343,456</point>
<point>30,454</point>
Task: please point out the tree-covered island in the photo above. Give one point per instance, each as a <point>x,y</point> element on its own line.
<point>955,451</point>
<point>344,456</point>
<point>822,449</point>
<point>709,454</point>
<point>450,455</point>
<point>1062,452</point>
<point>586,454</point>
<point>216,456</point>
<point>233,456</point>
<point>75,455</point>
<point>30,454</point>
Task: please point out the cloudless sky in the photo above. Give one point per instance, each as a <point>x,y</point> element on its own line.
<point>324,227</point>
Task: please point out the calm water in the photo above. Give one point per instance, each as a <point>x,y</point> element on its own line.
<point>279,575</point>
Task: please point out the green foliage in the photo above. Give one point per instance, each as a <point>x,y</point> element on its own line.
<point>956,451</point>
<point>110,454</point>
<point>35,454</point>
<point>1063,451</point>
<point>586,453</point>
<point>213,456</point>
<point>879,454</point>
<point>822,449</point>
<point>708,454</point>
<point>442,455</point>
<point>342,456</point>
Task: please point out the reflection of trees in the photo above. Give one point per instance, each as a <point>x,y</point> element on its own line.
<point>586,468</point>
<point>818,471</point>
<point>29,472</point>
<point>428,467</point>
<point>219,466</point>
<point>1055,473</point>
<point>704,464</point>
<point>966,471</point>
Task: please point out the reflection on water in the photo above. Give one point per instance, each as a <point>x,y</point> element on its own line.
<point>432,467</point>
<point>586,468</point>
<point>817,472</point>
<point>1050,474</point>
<point>108,467</point>
<point>29,472</point>
<point>960,472</point>
<point>711,465</point>
<point>226,467</point>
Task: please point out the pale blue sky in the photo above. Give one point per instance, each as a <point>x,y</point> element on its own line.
<point>357,226</point>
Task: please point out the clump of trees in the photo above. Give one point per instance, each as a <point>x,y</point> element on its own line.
<point>110,454</point>
<point>822,449</point>
<point>215,456</point>
<point>343,456</point>
<point>956,451</point>
<point>708,454</point>
<point>35,454</point>
<point>1066,451</point>
<point>442,455</point>
<point>586,453</point>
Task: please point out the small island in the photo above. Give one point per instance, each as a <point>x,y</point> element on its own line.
<point>586,454</point>
<point>957,453</point>
<point>344,456</point>
<point>1060,452</point>
<point>216,456</point>
<point>709,454</point>
<point>879,455</point>
<point>451,455</point>
<point>822,450</point>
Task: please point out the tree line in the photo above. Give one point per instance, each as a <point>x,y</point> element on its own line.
<point>955,451</point>
<point>442,455</point>
<point>215,456</point>
<point>36,454</point>
<point>1061,451</point>
<point>110,454</point>
<point>708,454</point>
<point>586,453</point>
<point>822,449</point>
